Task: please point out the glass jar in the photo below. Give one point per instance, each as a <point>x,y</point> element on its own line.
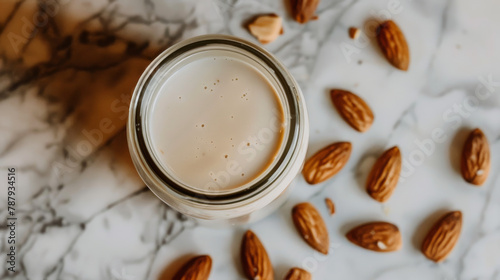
<point>220,207</point>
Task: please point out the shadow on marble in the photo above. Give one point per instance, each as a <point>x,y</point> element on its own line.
<point>86,75</point>
<point>456,146</point>
<point>372,37</point>
<point>236,249</point>
<point>281,269</point>
<point>346,227</point>
<point>365,164</point>
<point>170,269</point>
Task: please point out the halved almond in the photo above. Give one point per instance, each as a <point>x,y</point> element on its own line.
<point>266,28</point>
<point>330,205</point>
<point>354,32</point>
<point>296,273</point>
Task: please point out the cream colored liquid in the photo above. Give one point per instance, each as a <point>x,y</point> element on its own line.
<point>217,123</point>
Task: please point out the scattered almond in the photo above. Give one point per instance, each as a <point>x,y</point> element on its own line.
<point>254,258</point>
<point>354,32</point>
<point>311,226</point>
<point>304,10</point>
<point>197,268</point>
<point>327,162</point>
<point>330,205</point>
<point>393,44</point>
<point>475,164</point>
<point>384,175</point>
<point>353,109</point>
<point>298,274</point>
<point>266,28</point>
<point>442,237</point>
<point>376,236</point>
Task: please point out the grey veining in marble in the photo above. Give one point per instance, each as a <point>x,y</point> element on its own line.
<point>67,70</point>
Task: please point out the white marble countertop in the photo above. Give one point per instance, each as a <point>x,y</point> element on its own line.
<point>83,213</point>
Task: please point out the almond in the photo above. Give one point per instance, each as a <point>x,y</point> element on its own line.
<point>197,268</point>
<point>326,162</point>
<point>393,44</point>
<point>384,175</point>
<point>266,28</point>
<point>354,32</point>
<point>298,274</point>
<point>475,164</point>
<point>443,236</point>
<point>311,226</point>
<point>304,10</point>
<point>330,205</point>
<point>353,109</point>
<point>376,236</point>
<point>254,258</point>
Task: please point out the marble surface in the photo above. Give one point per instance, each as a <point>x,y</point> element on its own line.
<point>83,213</point>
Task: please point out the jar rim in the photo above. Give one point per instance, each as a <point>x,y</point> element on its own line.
<point>143,159</point>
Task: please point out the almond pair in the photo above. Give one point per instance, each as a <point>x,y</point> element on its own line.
<point>474,166</point>
<point>385,237</point>
<point>267,27</point>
